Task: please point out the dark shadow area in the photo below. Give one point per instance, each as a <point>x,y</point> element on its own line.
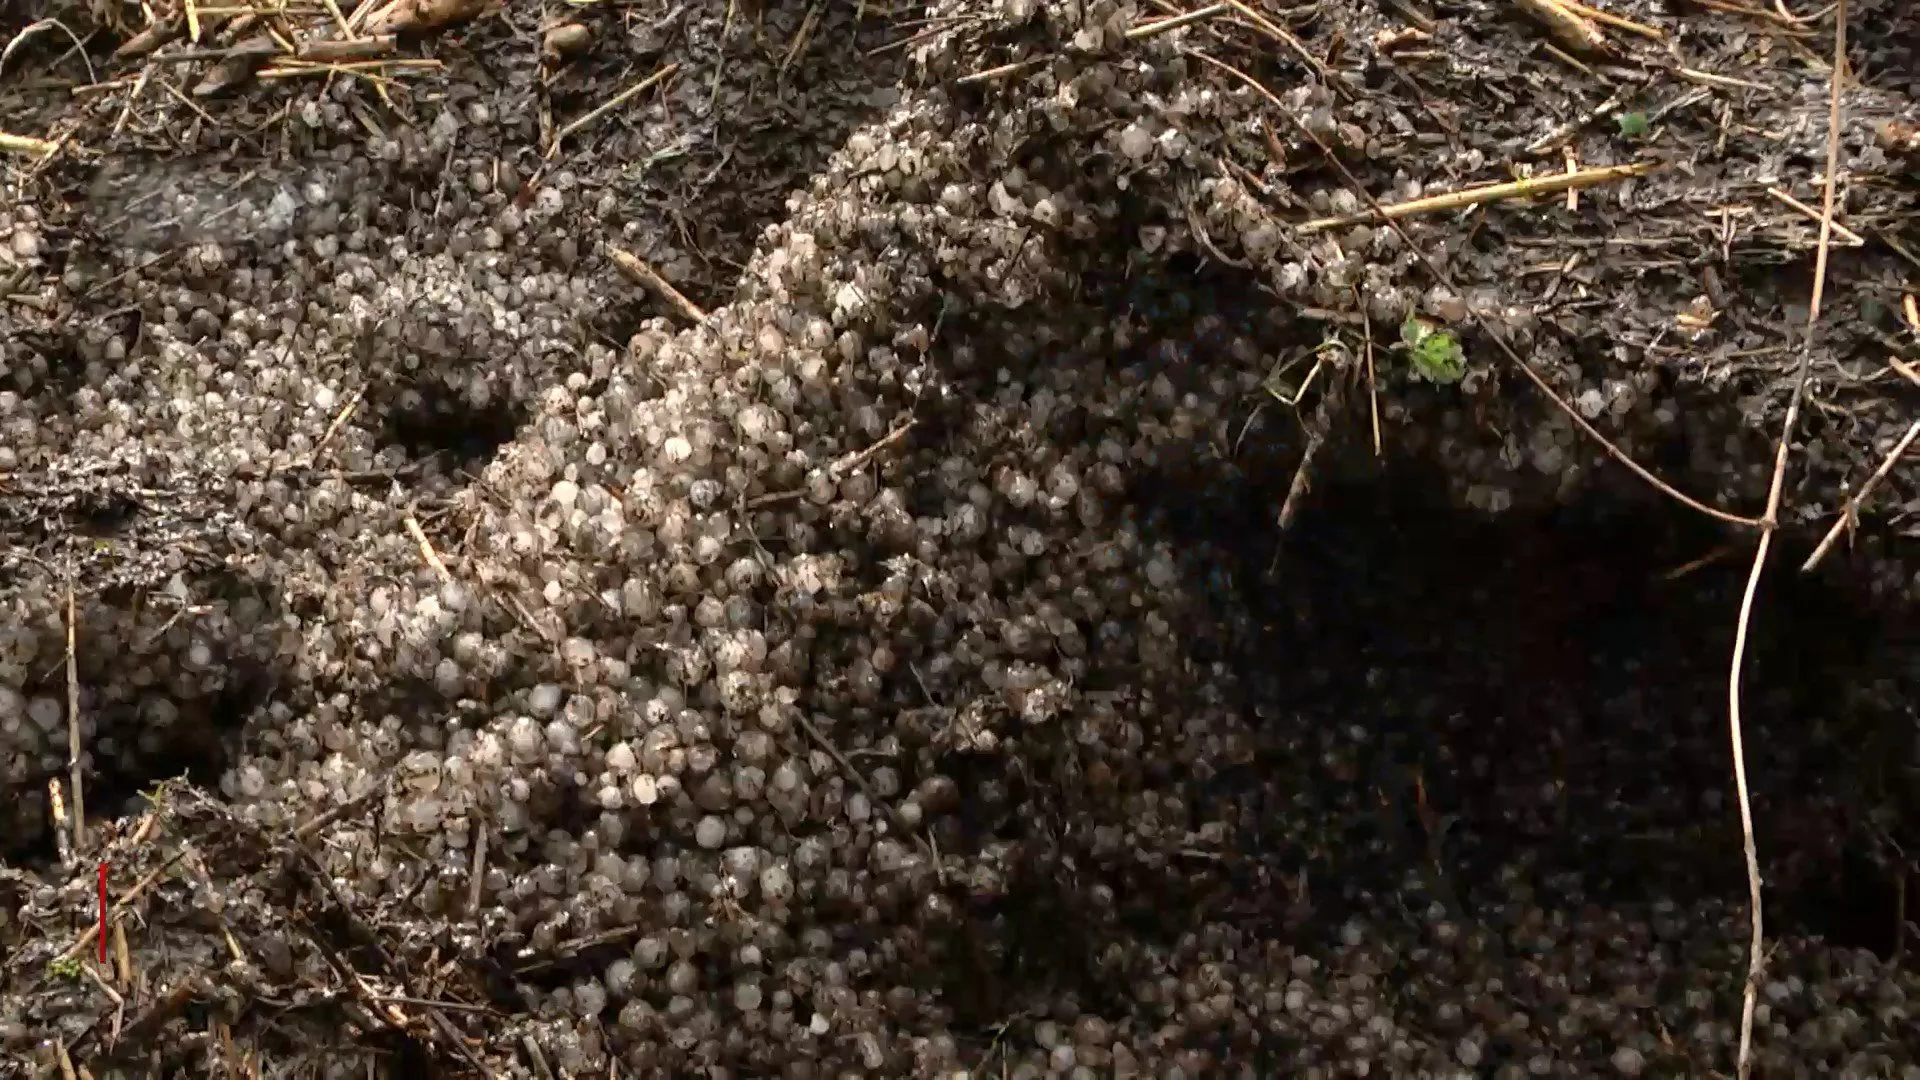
<point>1883,41</point>
<point>222,673</point>
<point>1036,924</point>
<point>433,422</point>
<point>1539,693</point>
<point>50,366</point>
<point>1548,690</point>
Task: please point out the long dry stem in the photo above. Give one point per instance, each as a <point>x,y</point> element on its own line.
<point>1769,524</point>
<point>1551,184</point>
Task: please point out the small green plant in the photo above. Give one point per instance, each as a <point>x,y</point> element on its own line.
<point>1633,125</point>
<point>1436,355</point>
<point>67,967</point>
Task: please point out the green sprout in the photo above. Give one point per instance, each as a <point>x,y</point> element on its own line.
<point>1436,355</point>
<point>1633,125</point>
<point>66,967</point>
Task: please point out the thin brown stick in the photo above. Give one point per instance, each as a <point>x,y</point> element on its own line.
<point>1749,848</point>
<point>340,419</point>
<point>838,470</point>
<point>1003,70</point>
<point>649,278</point>
<point>367,69</point>
<point>1769,17</point>
<point>800,39</point>
<point>1373,383</point>
<point>1550,184</point>
<point>1848,512</point>
<point>1608,18</point>
<point>477,871</point>
<point>1302,483</point>
<point>312,828</point>
<point>1155,29</point>
<point>93,972</point>
<point>858,458</point>
<point>1440,274</point>
<point>1292,43</point>
<point>427,553</point>
<point>1725,82</point>
<point>73,736</point>
<point>1569,59</point>
<point>79,46</point>
<point>1558,137</point>
<point>1852,238</point>
<point>340,19</point>
<point>1769,524</point>
<point>859,778</point>
<point>610,104</point>
<point>122,957</point>
<point>145,829</point>
<point>1899,918</point>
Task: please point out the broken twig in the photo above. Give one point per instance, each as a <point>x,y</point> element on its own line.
<point>1551,184</point>
<point>25,144</point>
<point>1852,238</point>
<point>612,103</point>
<point>427,553</point>
<point>649,278</point>
<point>1608,18</point>
<point>1853,505</point>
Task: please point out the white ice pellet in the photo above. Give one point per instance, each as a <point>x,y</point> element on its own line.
<point>646,790</point>
<point>544,700</point>
<point>620,757</point>
<point>525,740</point>
<point>45,712</point>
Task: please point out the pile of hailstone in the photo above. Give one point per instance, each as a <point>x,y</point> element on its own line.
<point>814,690</point>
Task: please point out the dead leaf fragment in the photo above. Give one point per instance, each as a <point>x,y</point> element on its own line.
<point>565,41</point>
<point>422,16</point>
<point>1568,30</point>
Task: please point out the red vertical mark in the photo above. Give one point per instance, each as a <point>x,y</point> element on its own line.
<point>103,913</point>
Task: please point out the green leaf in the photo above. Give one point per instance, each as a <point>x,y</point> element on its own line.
<point>1633,125</point>
<point>1436,355</point>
